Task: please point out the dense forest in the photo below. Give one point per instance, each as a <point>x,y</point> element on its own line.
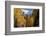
<point>21,20</point>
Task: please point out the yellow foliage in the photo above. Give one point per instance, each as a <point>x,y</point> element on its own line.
<point>32,20</point>
<point>20,18</point>
<point>17,12</point>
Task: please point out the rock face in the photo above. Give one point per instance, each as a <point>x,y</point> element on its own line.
<point>26,21</point>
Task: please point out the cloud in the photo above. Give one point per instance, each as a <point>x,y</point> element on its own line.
<point>27,11</point>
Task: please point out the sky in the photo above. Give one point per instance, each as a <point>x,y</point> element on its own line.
<point>27,11</point>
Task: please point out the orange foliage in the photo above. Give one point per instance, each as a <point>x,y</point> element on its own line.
<point>20,19</point>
